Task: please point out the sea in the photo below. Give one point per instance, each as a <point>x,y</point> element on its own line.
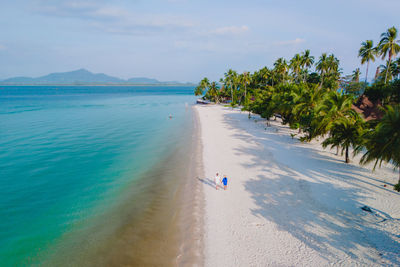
<point>93,175</point>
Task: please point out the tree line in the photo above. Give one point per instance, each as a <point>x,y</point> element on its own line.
<point>313,96</point>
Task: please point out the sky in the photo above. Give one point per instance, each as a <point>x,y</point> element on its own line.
<point>183,40</point>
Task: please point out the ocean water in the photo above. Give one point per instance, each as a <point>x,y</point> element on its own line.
<point>81,166</point>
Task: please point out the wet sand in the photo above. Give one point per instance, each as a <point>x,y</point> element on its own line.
<point>159,224</point>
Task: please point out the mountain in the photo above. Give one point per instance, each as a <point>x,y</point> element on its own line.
<point>81,76</point>
<point>77,76</point>
<point>18,80</point>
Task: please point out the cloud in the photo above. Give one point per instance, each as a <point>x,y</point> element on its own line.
<point>2,47</point>
<point>112,19</point>
<point>230,30</point>
<point>290,42</point>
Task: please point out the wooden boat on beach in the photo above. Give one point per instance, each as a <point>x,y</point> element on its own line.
<point>203,102</point>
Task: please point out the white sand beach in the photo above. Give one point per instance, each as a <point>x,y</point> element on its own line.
<point>290,203</point>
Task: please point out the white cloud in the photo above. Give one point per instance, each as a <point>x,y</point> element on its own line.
<point>230,30</point>
<point>112,19</point>
<point>290,42</point>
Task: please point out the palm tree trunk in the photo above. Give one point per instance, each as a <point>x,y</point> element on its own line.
<point>245,94</point>
<point>322,79</point>
<point>366,75</point>
<point>231,96</point>
<point>388,67</point>
<point>347,154</point>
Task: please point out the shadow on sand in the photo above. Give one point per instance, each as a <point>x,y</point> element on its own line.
<point>207,181</point>
<point>302,200</point>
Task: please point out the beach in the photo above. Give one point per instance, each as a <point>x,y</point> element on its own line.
<point>290,203</point>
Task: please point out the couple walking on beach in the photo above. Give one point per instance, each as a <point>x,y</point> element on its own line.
<point>218,181</point>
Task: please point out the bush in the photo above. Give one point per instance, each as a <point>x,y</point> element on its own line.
<point>397,187</point>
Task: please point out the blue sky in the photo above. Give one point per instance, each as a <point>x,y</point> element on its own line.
<point>183,40</point>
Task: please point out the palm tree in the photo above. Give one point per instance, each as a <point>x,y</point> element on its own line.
<point>334,105</point>
<point>367,53</point>
<point>322,66</point>
<point>245,80</point>
<point>389,45</point>
<point>356,75</point>
<point>203,85</point>
<point>229,80</point>
<point>305,99</point>
<point>332,64</point>
<point>213,92</point>
<point>396,68</point>
<point>383,143</point>
<point>377,73</point>
<point>266,76</point>
<point>346,132</point>
<point>280,66</point>
<point>386,71</point>
<point>307,61</point>
<point>295,65</point>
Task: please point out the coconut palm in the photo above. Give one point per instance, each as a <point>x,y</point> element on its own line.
<point>367,53</point>
<point>280,66</point>
<point>334,105</point>
<point>332,64</point>
<point>245,80</point>
<point>198,91</point>
<point>213,92</point>
<point>386,71</point>
<point>345,132</point>
<point>203,85</point>
<point>395,68</point>
<point>229,81</point>
<point>356,75</point>
<point>305,100</point>
<point>383,143</point>
<point>322,66</point>
<point>295,65</point>
<point>389,46</point>
<point>332,74</point>
<point>307,62</point>
<point>377,72</point>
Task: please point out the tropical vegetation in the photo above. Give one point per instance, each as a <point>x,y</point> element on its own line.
<point>312,95</point>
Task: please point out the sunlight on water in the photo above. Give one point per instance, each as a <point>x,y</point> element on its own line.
<point>66,157</point>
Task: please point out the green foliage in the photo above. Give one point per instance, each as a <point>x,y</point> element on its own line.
<point>389,45</point>
<point>355,88</point>
<point>314,78</point>
<point>312,103</point>
<point>345,132</point>
<point>397,187</point>
<point>383,142</point>
<point>203,85</point>
<point>213,93</point>
<point>379,91</point>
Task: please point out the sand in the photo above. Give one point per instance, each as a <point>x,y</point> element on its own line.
<point>290,203</point>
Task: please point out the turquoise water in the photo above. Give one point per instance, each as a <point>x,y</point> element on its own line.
<point>68,153</point>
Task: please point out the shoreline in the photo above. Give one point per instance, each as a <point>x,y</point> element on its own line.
<point>192,248</point>
<point>148,227</point>
<point>290,203</point>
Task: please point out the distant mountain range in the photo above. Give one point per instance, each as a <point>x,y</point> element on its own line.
<point>82,77</point>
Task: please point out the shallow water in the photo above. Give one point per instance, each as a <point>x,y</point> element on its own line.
<point>89,173</point>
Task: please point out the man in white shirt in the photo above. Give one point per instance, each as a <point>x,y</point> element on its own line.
<point>217,180</point>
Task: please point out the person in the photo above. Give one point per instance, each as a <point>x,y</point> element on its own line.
<point>217,180</point>
<point>225,182</point>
